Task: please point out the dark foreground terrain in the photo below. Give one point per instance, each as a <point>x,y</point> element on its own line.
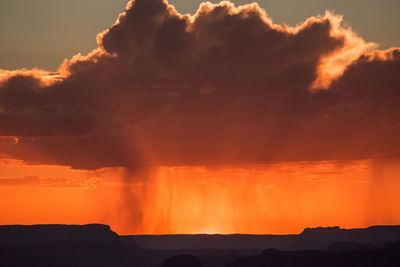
<point>97,245</point>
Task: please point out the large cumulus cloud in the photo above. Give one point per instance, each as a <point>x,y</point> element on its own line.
<point>223,86</point>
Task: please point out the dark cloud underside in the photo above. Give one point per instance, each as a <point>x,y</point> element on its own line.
<point>224,86</point>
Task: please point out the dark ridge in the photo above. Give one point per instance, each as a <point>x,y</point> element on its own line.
<point>350,246</point>
<point>182,261</point>
<point>215,241</point>
<point>387,257</point>
<point>98,245</point>
<point>322,238</point>
<point>307,231</point>
<point>319,238</point>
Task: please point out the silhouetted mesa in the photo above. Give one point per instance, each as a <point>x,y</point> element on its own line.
<point>321,238</point>
<point>57,235</point>
<point>59,245</point>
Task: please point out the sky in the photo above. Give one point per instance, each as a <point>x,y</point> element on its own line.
<point>164,122</point>
<point>65,28</point>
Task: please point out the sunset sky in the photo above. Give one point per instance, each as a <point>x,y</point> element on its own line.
<point>177,117</point>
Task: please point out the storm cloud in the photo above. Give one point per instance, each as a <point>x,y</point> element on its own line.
<point>223,86</point>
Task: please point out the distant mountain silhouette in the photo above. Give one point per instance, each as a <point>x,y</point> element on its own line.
<point>322,238</point>
<point>98,245</point>
<point>310,239</point>
<point>204,241</point>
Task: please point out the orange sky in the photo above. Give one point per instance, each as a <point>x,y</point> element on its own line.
<point>218,122</point>
<point>277,198</point>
